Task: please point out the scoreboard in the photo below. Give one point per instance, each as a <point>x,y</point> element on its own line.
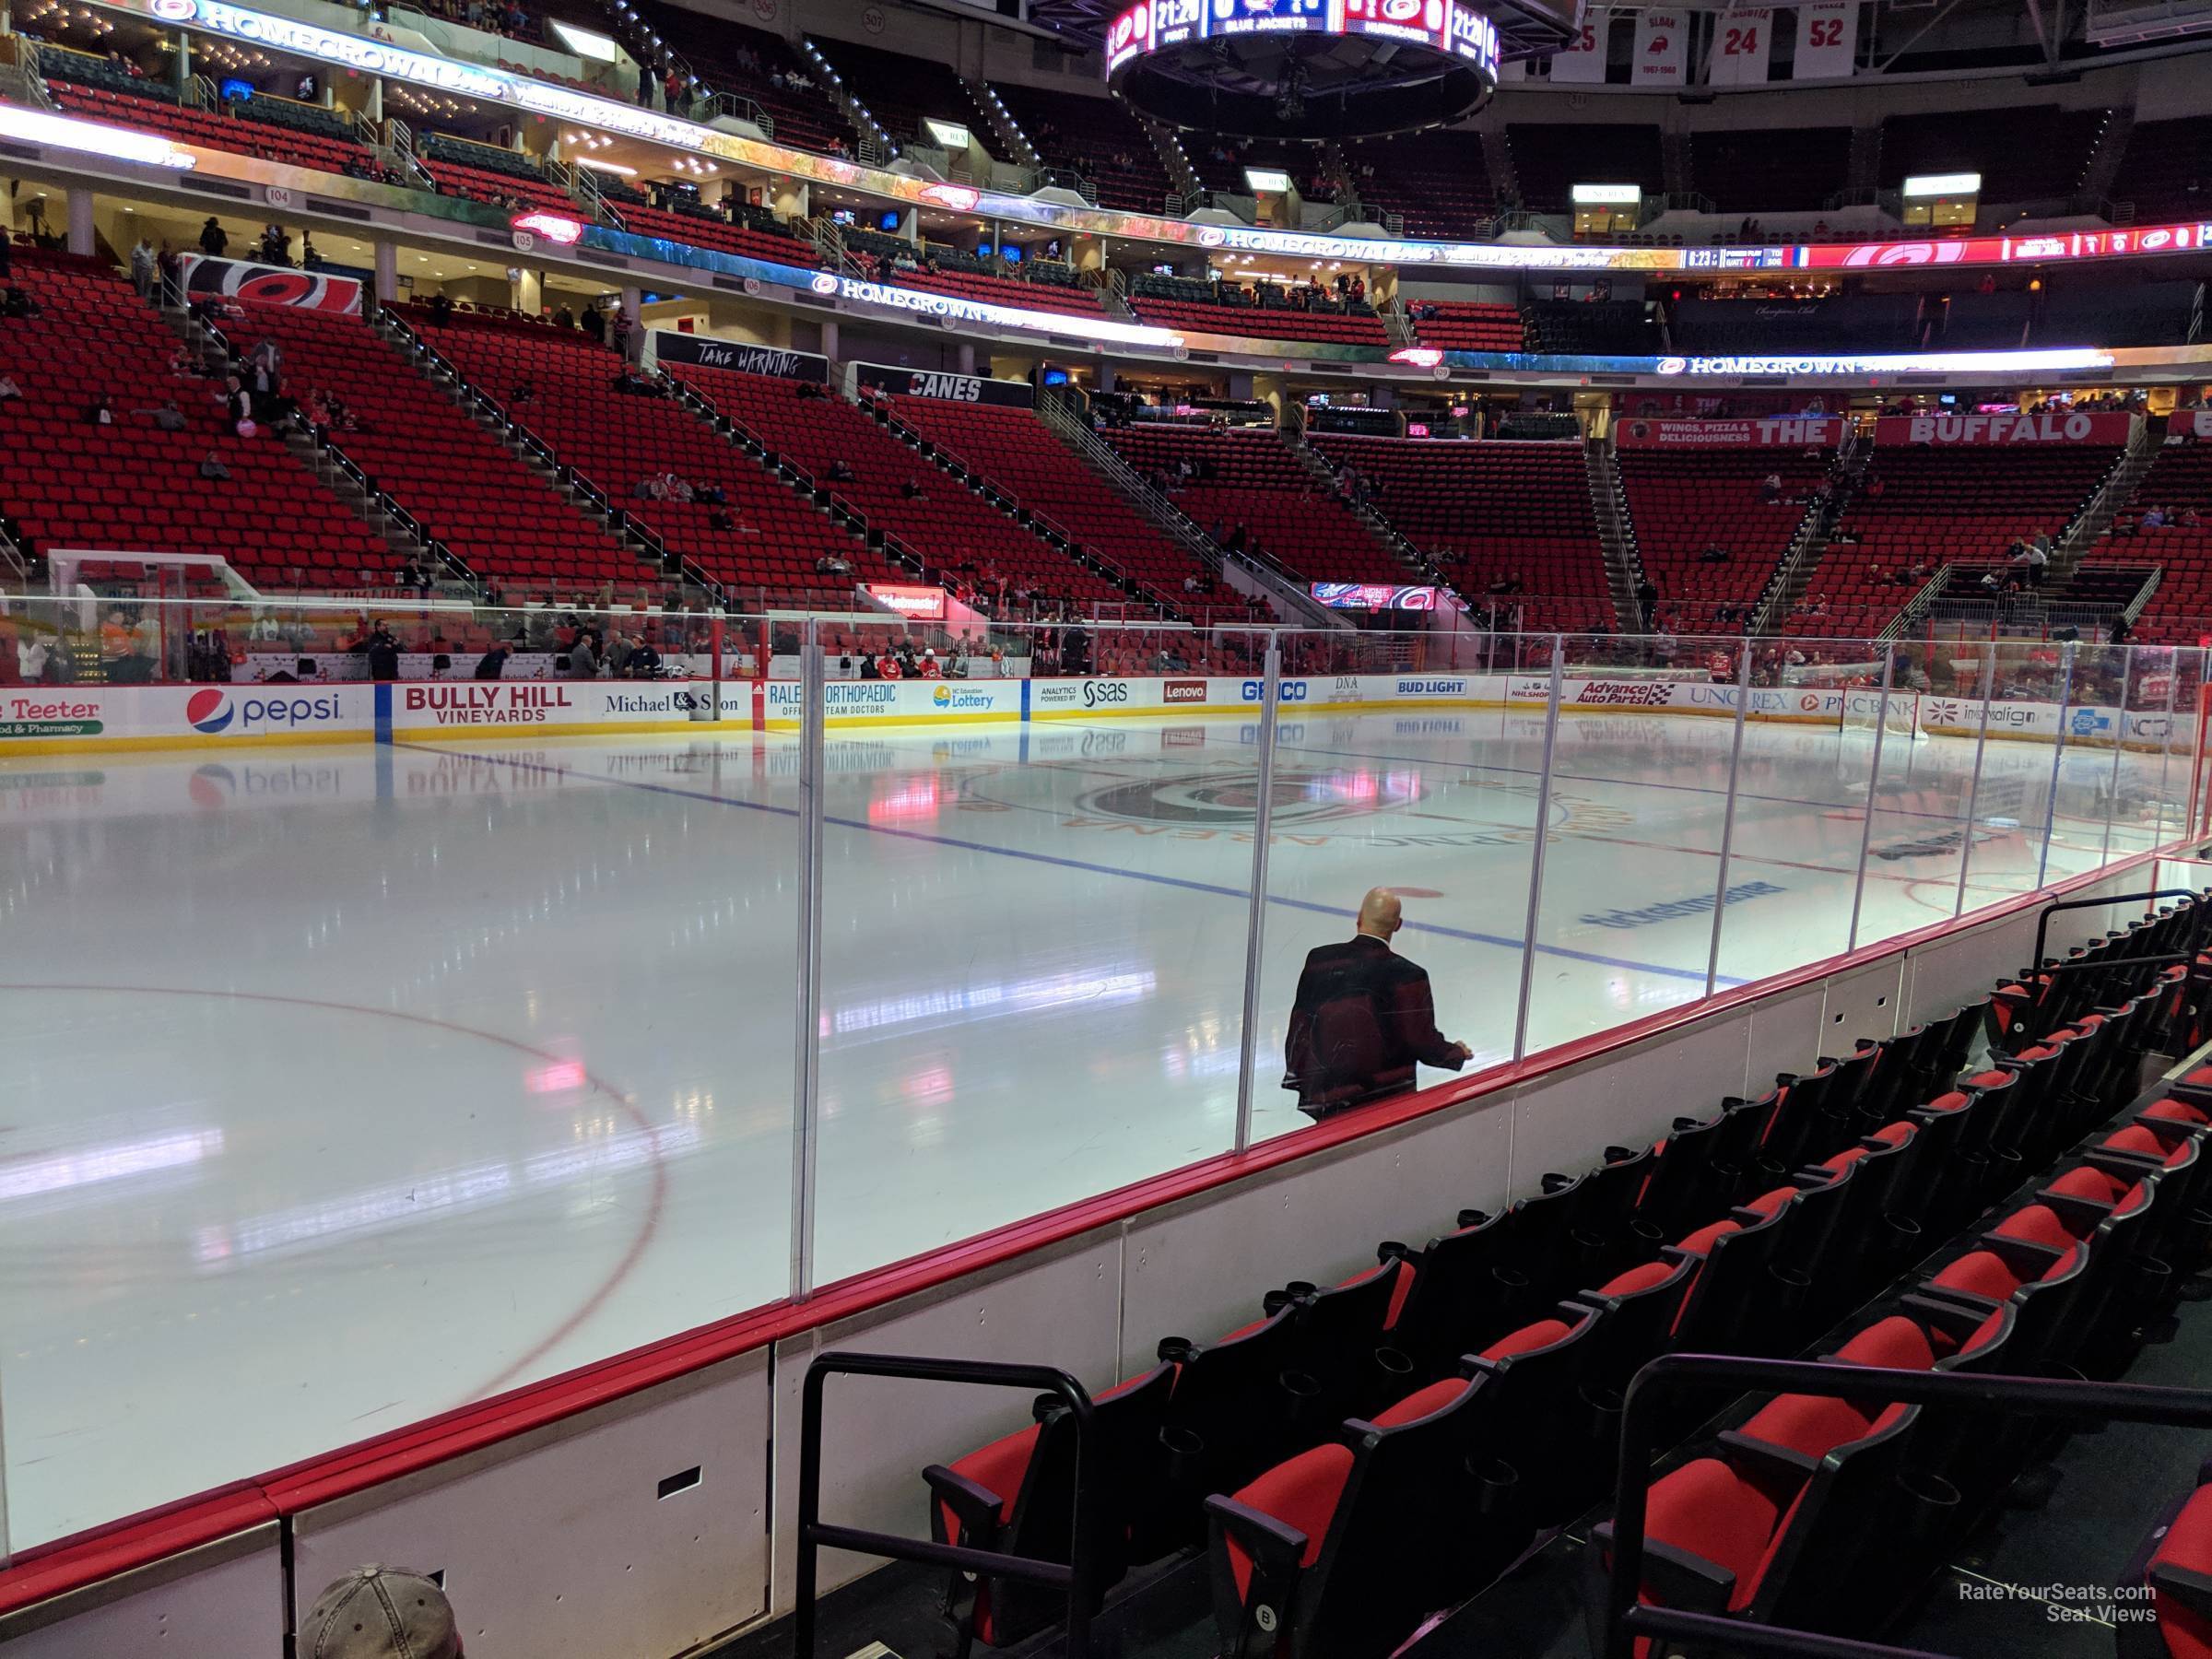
<point>1450,27</point>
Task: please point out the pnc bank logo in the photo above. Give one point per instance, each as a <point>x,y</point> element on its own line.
<point>209,712</point>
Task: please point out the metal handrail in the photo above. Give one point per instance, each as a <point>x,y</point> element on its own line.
<point>1628,1618</point>
<point>1078,1576</point>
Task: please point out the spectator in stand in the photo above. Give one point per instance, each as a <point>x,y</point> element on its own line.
<point>9,391</point>
<point>1713,554</point>
<point>213,238</point>
<point>380,1613</point>
<point>100,411</point>
<point>383,654</point>
<point>2154,518</point>
<point>840,472</point>
<point>564,318</point>
<point>1770,487</point>
<point>33,651</point>
<point>142,268</point>
<point>583,657</point>
<point>1363,1018</point>
<point>493,663</point>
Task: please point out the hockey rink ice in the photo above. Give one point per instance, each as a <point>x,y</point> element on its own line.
<point>346,1085</point>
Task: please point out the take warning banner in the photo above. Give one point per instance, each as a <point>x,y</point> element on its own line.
<point>1788,431</point>
<point>672,346</point>
<point>2078,427</point>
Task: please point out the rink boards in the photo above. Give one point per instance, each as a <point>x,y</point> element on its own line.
<point>90,719</point>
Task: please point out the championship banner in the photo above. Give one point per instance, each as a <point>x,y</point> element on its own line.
<point>1584,62</point>
<point>953,388</point>
<point>267,285</point>
<point>1741,43</point>
<point>669,345</point>
<point>1828,40</point>
<point>1662,49</point>
<point>1790,432</point>
<point>2074,428</point>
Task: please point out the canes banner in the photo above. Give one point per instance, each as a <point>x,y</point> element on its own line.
<point>953,388</point>
<point>268,285</point>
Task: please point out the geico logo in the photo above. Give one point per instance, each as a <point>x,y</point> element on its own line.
<point>1104,692</point>
<point>1287,691</point>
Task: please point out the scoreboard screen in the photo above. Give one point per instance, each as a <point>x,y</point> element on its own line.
<point>1444,25</point>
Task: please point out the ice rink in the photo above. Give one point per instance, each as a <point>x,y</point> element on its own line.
<point>343,1087</point>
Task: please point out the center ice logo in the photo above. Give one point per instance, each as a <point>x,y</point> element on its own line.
<point>208,712</point>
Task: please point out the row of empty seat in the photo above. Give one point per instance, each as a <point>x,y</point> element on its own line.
<point>1682,504</point>
<point>618,441</point>
<point>1927,504</point>
<point>130,486</point>
<point>950,525</point>
<point>460,482</point>
<point>1489,512</point>
<point>1250,480</point>
<point>1362,1455</point>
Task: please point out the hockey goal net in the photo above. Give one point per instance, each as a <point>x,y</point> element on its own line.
<point>1896,713</point>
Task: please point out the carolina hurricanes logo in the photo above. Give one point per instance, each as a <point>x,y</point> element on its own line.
<point>823,283</point>
<point>208,712</point>
<point>1907,254</point>
<point>1215,801</point>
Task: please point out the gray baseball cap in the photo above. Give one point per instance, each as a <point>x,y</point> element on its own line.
<point>380,1613</point>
